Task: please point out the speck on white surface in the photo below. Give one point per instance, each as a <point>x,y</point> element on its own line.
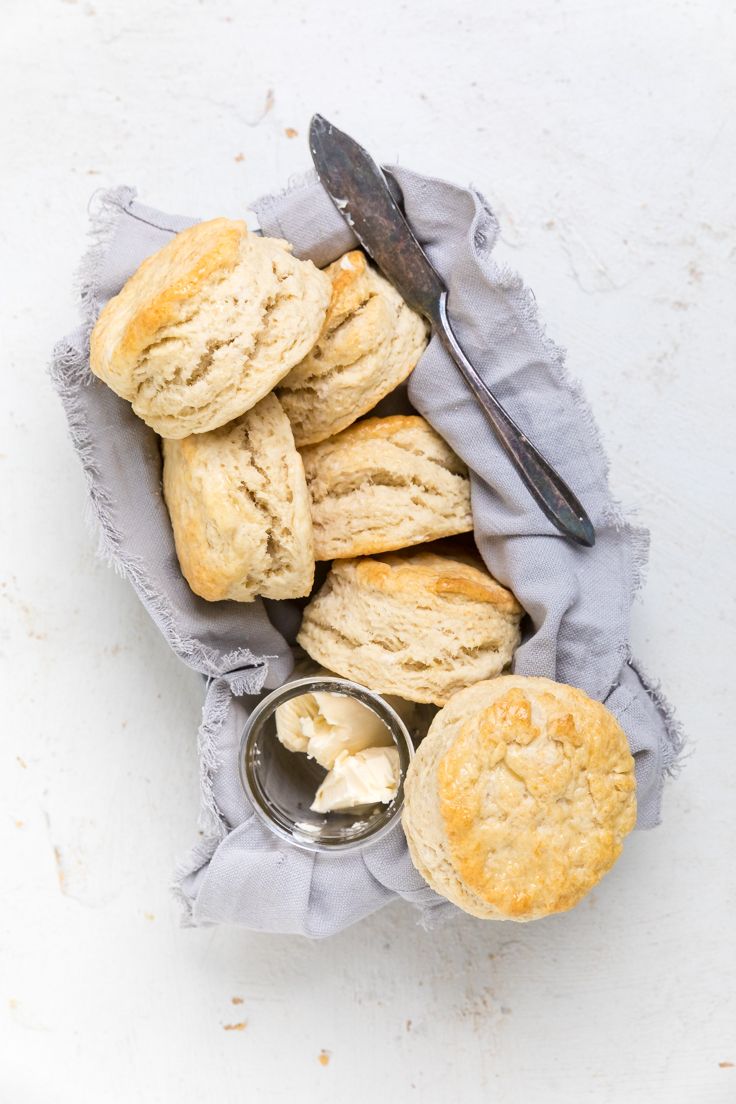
<point>604,136</point>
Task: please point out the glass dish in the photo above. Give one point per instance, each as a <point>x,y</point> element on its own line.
<point>281,784</point>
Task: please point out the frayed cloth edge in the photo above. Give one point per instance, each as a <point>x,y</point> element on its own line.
<point>676,747</point>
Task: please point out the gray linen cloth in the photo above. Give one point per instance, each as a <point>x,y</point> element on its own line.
<point>578,600</point>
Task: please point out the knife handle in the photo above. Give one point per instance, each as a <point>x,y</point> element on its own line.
<point>548,488</point>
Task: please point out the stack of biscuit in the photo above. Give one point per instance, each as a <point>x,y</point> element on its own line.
<point>257,370</point>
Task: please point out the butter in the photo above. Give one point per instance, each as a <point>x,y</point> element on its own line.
<point>324,724</point>
<point>359,780</point>
<point>344,724</point>
<point>291,718</point>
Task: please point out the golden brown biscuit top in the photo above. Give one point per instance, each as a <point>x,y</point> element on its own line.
<point>414,575</point>
<point>379,429</point>
<point>156,295</point>
<point>536,793</point>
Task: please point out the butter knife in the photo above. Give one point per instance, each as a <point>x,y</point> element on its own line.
<point>361,193</point>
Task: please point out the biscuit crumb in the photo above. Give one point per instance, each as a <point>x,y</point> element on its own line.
<point>12,1003</point>
<point>236,1000</point>
<point>60,869</point>
<point>19,824</point>
<point>291,133</point>
<point>324,1058</point>
<point>236,1026</point>
<point>408,1025</point>
<point>725,1065</point>
<point>21,762</point>
<point>239,157</point>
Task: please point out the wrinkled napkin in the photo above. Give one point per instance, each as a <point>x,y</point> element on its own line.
<point>578,600</point>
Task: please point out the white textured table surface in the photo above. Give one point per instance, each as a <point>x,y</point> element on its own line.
<point>604,136</point>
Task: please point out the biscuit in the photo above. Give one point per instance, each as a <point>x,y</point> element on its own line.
<point>519,798</point>
<point>370,342</point>
<point>382,484</point>
<point>239,508</point>
<point>416,624</point>
<point>207,326</point>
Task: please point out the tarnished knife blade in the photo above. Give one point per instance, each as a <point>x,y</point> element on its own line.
<point>361,194</point>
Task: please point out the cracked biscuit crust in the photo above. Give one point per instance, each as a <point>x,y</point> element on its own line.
<point>370,342</point>
<point>384,484</point>
<point>519,798</point>
<point>416,624</point>
<point>239,509</point>
<point>207,326</point>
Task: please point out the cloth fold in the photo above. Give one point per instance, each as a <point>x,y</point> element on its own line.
<point>578,600</point>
